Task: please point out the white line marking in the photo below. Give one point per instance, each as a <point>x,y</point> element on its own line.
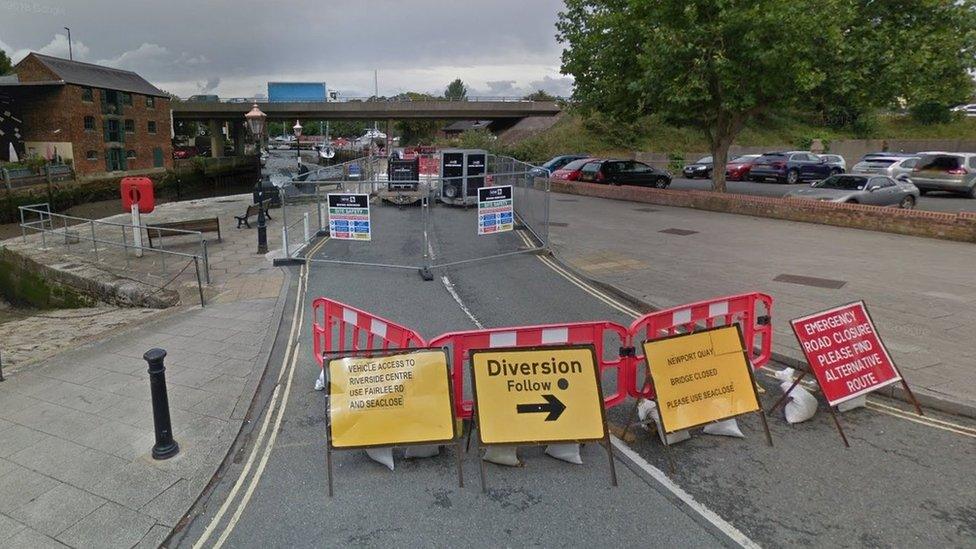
<point>731,531</point>
<point>457,298</point>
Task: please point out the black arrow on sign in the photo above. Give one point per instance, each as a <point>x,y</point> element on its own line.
<point>553,405</point>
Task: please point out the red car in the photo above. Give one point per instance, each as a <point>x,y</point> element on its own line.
<point>571,171</point>
<point>185,152</point>
<point>738,168</point>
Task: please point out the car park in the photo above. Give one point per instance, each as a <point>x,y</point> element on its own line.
<point>700,168</point>
<point>571,171</point>
<point>555,163</point>
<point>738,168</point>
<point>875,190</point>
<point>943,171</point>
<point>895,166</point>
<point>836,162</point>
<point>789,167</point>
<point>624,172</point>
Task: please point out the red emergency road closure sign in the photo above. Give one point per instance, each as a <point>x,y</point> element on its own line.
<point>845,352</point>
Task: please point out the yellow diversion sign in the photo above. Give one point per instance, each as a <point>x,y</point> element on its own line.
<point>542,394</point>
<point>701,377</point>
<point>390,400</point>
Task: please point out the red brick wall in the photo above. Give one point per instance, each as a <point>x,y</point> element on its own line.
<point>948,226</point>
<point>32,70</point>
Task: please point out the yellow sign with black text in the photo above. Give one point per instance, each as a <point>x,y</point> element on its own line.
<point>390,400</point>
<point>701,377</point>
<point>540,394</point>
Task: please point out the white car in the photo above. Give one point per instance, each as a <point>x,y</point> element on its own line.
<point>968,110</point>
<point>895,166</point>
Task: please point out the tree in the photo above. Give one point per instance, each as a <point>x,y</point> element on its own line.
<point>713,64</point>
<point>540,95</point>
<point>6,67</point>
<point>456,91</point>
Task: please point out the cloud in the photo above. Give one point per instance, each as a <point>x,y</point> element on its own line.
<point>57,47</point>
<point>208,86</point>
<point>139,58</point>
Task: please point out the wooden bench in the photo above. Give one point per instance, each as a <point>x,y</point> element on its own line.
<point>206,225</point>
<point>252,210</point>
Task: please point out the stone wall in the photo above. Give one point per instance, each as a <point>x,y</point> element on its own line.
<point>947,226</point>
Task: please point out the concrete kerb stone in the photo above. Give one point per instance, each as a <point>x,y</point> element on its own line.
<point>793,360</point>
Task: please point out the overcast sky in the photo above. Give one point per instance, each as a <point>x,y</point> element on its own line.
<point>234,47</point>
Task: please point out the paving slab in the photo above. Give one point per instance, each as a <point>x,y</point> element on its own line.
<point>111,525</point>
<point>57,510</point>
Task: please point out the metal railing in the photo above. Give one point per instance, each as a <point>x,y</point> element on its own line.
<point>71,230</point>
<point>391,99</point>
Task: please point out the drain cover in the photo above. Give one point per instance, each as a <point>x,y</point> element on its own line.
<point>679,232</point>
<point>567,200</point>
<point>647,210</point>
<point>810,281</point>
<point>554,224</point>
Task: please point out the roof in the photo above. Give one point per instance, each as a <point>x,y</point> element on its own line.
<point>97,76</point>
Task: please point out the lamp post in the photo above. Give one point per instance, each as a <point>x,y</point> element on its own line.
<point>297,128</point>
<point>71,56</point>
<point>255,122</point>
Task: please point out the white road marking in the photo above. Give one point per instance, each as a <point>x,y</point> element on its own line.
<point>457,298</point>
<point>731,531</point>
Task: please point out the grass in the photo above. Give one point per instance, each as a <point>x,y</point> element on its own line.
<point>595,135</point>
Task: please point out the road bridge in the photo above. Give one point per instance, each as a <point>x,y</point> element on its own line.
<point>368,110</point>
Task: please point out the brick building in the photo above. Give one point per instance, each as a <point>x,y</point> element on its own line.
<point>101,119</point>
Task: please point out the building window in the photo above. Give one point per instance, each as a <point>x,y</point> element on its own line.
<point>89,123</point>
<point>152,126</point>
<point>112,131</point>
<point>127,99</point>
<point>91,155</point>
<point>130,154</point>
<point>130,126</point>
<point>150,102</point>
<point>87,95</point>
<point>158,157</point>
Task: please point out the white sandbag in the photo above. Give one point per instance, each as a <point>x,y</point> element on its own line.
<point>320,382</point>
<point>786,374</point>
<point>502,455</point>
<point>858,402</point>
<point>570,453</point>
<point>800,406</point>
<point>382,455</point>
<point>648,409</point>
<point>426,451</point>
<point>724,428</point>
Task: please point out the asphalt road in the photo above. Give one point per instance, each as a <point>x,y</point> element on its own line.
<point>934,201</point>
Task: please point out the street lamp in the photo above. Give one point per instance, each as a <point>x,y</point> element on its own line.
<point>255,122</point>
<point>297,128</point>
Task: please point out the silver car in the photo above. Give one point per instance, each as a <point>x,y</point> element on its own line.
<point>896,166</point>
<point>943,171</point>
<point>836,163</point>
<point>875,190</point>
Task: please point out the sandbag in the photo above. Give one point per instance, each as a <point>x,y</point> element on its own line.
<point>800,406</point>
<point>646,408</point>
<point>320,382</point>
<point>570,452</point>
<point>382,455</point>
<point>502,455</point>
<point>426,451</point>
<point>853,403</point>
<point>786,374</point>
<point>725,428</point>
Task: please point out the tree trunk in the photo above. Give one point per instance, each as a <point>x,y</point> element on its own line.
<point>720,157</point>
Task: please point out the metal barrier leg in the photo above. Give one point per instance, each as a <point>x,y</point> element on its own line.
<point>206,262</point>
<point>425,272</point>
<point>196,263</point>
<point>91,225</point>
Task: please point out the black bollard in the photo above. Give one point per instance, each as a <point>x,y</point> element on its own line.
<point>262,223</point>
<point>165,447</point>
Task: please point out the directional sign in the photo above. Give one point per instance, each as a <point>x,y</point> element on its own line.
<point>349,216</point>
<point>845,352</point>
<point>390,400</point>
<point>495,211</point>
<point>701,377</point>
<point>538,394</point>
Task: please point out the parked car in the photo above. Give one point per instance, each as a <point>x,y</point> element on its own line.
<point>940,171</point>
<point>968,110</point>
<point>894,166</point>
<point>571,171</point>
<point>700,168</point>
<point>738,168</point>
<point>876,190</point>
<point>555,163</point>
<point>789,167</point>
<point>624,172</point>
<point>181,153</point>
<point>836,162</point>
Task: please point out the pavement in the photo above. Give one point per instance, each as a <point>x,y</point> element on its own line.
<point>920,292</point>
<point>76,428</point>
<point>933,201</point>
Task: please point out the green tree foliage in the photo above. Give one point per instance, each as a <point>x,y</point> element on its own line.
<point>540,95</point>
<point>6,67</point>
<point>456,90</point>
<point>417,132</point>
<point>716,64</point>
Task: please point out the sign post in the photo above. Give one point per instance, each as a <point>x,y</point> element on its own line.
<point>538,395</point>
<point>702,377</point>
<point>495,210</point>
<point>846,355</point>
<point>390,400</point>
<point>349,217</point>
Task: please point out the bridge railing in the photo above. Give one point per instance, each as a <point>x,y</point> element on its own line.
<point>370,99</point>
